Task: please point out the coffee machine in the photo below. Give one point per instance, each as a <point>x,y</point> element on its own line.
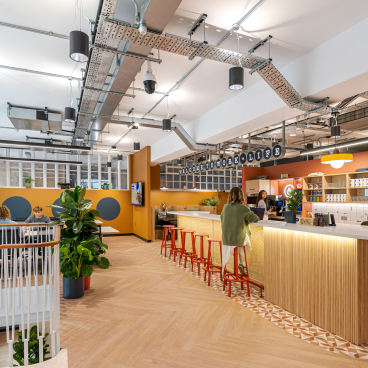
<point>276,202</point>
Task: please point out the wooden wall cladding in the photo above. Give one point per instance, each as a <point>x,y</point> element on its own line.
<point>321,278</point>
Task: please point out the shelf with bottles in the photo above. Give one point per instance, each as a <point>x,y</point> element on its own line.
<point>311,180</point>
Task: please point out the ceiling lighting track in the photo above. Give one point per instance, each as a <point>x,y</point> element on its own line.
<point>43,145</point>
<point>39,31</point>
<point>186,75</point>
<point>109,92</point>
<point>333,146</point>
<point>40,73</point>
<point>130,54</point>
<point>17,159</point>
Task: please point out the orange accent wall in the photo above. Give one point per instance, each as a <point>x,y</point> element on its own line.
<point>45,197</point>
<point>141,171</point>
<point>179,198</point>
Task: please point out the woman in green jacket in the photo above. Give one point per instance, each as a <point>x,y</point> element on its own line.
<point>235,219</point>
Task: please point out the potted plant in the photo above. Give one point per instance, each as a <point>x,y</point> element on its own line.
<point>293,203</point>
<point>33,347</point>
<point>105,186</point>
<point>28,182</point>
<point>80,248</point>
<point>211,201</point>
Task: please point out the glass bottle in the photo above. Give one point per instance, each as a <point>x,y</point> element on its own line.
<point>315,223</point>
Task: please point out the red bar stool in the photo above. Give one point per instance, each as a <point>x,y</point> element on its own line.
<point>200,259</point>
<point>210,267</point>
<point>236,277</point>
<point>164,237</point>
<point>174,249</point>
<point>184,253</point>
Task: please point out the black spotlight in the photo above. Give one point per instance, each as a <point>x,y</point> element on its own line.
<point>335,131</point>
<point>120,157</point>
<point>166,125</point>
<point>137,146</point>
<point>69,114</point>
<point>78,46</point>
<point>108,164</point>
<point>236,78</point>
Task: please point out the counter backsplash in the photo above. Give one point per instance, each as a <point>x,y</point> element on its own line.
<point>345,213</point>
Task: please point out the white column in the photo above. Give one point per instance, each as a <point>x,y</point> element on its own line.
<point>119,174</point>
<point>89,185</point>
<point>20,152</point>
<point>79,172</point>
<point>44,169</point>
<point>99,171</point>
<point>8,168</point>
<point>56,172</point>
<point>33,168</point>
<point>67,173</point>
<point>109,170</point>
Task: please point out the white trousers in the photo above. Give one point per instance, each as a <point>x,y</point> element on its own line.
<point>228,252</point>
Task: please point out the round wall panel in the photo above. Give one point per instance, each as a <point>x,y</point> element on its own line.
<point>19,207</point>
<point>109,208</point>
<point>56,210</point>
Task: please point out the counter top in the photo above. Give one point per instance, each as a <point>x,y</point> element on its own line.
<point>346,231</point>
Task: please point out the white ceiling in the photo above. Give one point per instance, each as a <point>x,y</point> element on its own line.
<point>296,26</point>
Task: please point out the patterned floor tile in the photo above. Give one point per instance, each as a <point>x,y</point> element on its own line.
<point>289,322</point>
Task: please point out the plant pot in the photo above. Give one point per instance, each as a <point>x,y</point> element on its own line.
<point>87,282</point>
<point>28,185</point>
<point>290,217</point>
<point>73,288</point>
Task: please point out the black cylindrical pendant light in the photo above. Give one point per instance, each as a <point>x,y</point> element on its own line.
<point>166,125</point>
<point>236,78</point>
<point>335,131</point>
<point>137,146</point>
<point>69,114</point>
<point>108,164</point>
<point>120,157</point>
<point>78,46</point>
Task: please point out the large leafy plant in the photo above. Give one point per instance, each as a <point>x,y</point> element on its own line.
<point>211,201</point>
<point>33,347</point>
<point>294,200</point>
<point>80,248</point>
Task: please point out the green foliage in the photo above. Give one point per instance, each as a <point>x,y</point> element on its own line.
<point>33,347</point>
<point>79,247</point>
<point>211,201</point>
<point>105,185</point>
<point>294,200</point>
<point>28,180</point>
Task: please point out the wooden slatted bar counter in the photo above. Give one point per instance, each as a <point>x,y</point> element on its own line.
<point>317,273</point>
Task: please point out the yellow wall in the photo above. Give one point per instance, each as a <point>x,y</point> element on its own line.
<point>45,197</point>
<point>141,171</point>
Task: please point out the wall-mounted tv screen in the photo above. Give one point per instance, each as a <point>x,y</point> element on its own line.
<point>136,192</point>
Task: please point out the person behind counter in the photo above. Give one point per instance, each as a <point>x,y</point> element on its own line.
<point>235,219</point>
<point>261,203</point>
<point>38,217</point>
<point>161,215</point>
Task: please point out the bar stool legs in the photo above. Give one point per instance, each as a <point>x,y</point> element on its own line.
<point>184,253</point>
<point>174,249</point>
<point>200,258</point>
<point>236,277</point>
<point>210,267</point>
<point>164,237</point>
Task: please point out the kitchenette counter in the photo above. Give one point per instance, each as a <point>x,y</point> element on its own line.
<point>317,273</point>
<point>343,230</point>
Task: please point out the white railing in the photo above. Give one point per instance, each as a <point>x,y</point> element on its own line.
<point>30,289</point>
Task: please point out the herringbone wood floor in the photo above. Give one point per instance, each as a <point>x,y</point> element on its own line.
<point>144,312</point>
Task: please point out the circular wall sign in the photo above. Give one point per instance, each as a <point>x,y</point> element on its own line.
<point>190,169</point>
<point>288,189</point>
<point>277,151</point>
<point>186,170</point>
<point>212,165</point>
<point>258,155</point>
<point>223,162</point>
<point>193,169</point>
<point>197,168</point>
<point>267,153</point>
<point>236,160</point>
<point>207,165</point>
<point>243,158</point>
<point>218,163</point>
<point>250,156</point>
<point>180,171</point>
<point>229,161</point>
<point>201,167</point>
